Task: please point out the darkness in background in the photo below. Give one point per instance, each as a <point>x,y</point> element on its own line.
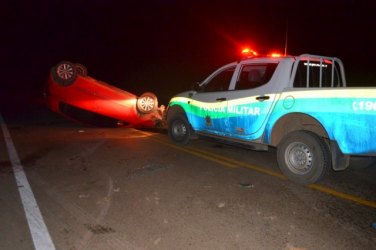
<point>164,46</point>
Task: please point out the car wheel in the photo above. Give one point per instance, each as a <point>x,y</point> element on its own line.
<point>81,69</point>
<point>179,129</point>
<point>147,103</point>
<point>64,73</point>
<point>303,157</point>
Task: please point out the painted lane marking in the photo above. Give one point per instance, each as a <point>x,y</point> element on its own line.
<point>232,163</point>
<point>38,229</point>
<point>198,153</point>
<point>343,196</point>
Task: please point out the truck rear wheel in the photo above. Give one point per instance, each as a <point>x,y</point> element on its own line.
<point>303,157</point>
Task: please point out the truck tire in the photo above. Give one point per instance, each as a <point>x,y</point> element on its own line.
<point>303,157</point>
<point>179,129</point>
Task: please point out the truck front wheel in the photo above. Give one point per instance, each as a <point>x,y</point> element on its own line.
<point>179,129</point>
<point>303,157</point>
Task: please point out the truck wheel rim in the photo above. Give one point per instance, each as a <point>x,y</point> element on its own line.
<point>179,130</point>
<point>298,158</point>
<point>65,71</point>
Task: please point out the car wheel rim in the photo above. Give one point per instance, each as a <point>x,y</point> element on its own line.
<point>179,130</point>
<point>65,71</point>
<point>298,158</point>
<point>147,103</point>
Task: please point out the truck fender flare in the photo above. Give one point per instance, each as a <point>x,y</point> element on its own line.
<point>173,111</point>
<point>299,121</point>
<point>177,110</point>
<point>293,122</point>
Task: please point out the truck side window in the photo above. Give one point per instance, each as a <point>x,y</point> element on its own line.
<point>219,82</point>
<point>255,75</point>
<point>311,78</point>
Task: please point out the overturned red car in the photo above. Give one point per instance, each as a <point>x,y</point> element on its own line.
<point>73,93</point>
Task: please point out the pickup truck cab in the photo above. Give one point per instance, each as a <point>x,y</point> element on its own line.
<point>298,104</point>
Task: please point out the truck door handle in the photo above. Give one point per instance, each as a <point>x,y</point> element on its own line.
<point>262,98</point>
<point>221,99</point>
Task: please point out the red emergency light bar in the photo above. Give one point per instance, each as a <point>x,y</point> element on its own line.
<point>247,52</point>
<point>275,54</point>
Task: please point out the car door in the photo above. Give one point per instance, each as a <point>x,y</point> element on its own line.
<point>211,100</point>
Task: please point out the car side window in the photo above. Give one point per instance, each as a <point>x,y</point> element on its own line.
<point>255,75</point>
<point>219,82</point>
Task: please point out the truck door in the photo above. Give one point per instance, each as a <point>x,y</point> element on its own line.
<point>251,100</point>
<point>212,101</point>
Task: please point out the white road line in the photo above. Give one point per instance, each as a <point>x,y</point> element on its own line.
<point>39,232</point>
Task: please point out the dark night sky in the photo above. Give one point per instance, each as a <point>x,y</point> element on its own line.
<point>165,45</point>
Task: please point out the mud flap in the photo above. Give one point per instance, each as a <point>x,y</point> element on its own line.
<point>339,160</point>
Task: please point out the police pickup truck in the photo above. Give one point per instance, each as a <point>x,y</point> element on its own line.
<point>299,105</point>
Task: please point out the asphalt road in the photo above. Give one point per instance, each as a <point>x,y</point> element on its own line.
<point>119,188</point>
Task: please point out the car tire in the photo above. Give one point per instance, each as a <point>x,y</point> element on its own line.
<point>179,130</point>
<point>147,103</point>
<point>64,73</point>
<point>303,157</point>
<point>81,69</point>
